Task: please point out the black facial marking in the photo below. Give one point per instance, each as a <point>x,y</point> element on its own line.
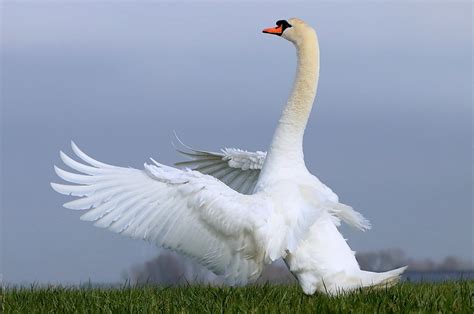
<point>284,25</point>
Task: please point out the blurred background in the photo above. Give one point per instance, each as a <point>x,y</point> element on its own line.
<point>390,132</point>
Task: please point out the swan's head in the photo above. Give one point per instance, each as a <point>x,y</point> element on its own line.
<point>294,30</point>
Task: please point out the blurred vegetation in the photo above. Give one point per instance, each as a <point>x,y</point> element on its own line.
<point>405,297</point>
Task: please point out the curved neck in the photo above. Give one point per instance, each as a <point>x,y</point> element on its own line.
<point>287,143</point>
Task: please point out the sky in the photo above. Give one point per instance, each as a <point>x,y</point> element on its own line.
<point>390,131</point>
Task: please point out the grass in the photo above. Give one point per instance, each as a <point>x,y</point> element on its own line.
<point>405,297</point>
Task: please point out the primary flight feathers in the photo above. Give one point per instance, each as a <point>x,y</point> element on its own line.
<point>184,210</point>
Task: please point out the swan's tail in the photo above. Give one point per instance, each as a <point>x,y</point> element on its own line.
<point>381,280</point>
<point>343,282</point>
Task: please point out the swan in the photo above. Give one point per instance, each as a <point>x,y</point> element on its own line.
<point>235,211</point>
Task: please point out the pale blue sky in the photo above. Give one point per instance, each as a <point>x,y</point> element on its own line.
<point>391,130</point>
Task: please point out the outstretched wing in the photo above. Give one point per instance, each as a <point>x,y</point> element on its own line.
<point>237,168</point>
<point>186,211</point>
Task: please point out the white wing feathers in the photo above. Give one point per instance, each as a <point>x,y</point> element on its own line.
<point>186,211</point>
<point>239,169</point>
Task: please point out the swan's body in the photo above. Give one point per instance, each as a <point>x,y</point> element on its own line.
<point>260,208</point>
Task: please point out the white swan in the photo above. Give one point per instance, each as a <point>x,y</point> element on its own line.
<point>289,213</point>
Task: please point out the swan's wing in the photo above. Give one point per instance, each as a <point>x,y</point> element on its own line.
<point>186,211</point>
<point>237,168</point>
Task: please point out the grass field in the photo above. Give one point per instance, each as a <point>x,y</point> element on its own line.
<point>406,297</point>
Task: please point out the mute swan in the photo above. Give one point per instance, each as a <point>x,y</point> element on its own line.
<point>237,211</point>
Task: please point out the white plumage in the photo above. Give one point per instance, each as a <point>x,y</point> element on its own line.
<point>186,211</point>
<point>236,211</point>
<point>237,168</point>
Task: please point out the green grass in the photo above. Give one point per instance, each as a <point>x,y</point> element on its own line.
<point>405,297</point>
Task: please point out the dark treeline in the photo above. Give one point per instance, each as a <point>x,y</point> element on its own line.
<point>392,258</point>
<point>169,268</point>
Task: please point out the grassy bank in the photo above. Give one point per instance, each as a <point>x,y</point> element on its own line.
<point>406,297</point>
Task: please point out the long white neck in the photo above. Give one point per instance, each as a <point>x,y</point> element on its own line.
<point>286,149</point>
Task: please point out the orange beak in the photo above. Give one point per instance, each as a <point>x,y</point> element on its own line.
<point>278,30</point>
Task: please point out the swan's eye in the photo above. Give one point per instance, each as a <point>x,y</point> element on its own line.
<point>284,25</point>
